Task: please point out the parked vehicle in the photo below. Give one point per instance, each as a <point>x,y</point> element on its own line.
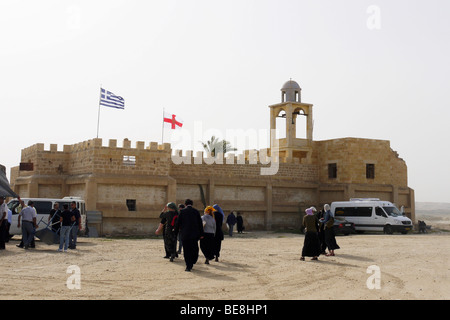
<point>43,207</point>
<point>372,214</point>
<point>342,226</point>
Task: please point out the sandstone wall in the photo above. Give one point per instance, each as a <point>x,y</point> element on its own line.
<point>351,156</point>
<point>107,176</point>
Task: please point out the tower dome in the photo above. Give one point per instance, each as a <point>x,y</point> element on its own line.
<point>290,92</point>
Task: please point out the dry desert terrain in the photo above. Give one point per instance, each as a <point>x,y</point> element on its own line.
<point>253,265</point>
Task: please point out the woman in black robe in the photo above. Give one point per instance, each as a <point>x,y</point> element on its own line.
<point>311,244</point>
<point>218,237</point>
<point>321,233</point>
<point>330,237</point>
<point>168,220</point>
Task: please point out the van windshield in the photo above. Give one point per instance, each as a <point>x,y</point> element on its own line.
<point>12,204</point>
<point>392,211</point>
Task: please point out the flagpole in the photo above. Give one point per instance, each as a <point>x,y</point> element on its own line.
<point>162,130</point>
<point>98,117</point>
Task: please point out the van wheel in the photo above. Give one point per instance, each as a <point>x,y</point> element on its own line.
<point>388,229</point>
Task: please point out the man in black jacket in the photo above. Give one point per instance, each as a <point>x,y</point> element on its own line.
<point>190,226</point>
<point>54,217</point>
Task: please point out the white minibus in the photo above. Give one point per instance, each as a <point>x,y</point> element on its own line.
<point>43,207</point>
<point>372,214</point>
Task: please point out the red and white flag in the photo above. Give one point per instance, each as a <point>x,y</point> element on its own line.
<point>172,121</point>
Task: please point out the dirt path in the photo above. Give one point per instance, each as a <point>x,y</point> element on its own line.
<point>255,265</point>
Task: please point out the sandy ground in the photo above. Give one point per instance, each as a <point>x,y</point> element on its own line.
<point>255,265</point>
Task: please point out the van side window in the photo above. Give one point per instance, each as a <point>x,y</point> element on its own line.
<point>344,211</point>
<point>379,212</point>
<point>353,211</point>
<point>43,207</point>
<point>13,205</point>
<point>364,211</point>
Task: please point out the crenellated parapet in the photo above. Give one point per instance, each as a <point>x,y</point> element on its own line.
<point>92,157</point>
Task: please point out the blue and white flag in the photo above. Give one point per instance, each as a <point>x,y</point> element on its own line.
<point>109,99</point>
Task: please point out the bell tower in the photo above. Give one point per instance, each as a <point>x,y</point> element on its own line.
<point>291,108</point>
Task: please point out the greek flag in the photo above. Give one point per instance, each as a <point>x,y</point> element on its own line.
<point>109,99</point>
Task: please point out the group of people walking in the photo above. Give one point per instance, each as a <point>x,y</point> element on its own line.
<point>319,233</point>
<point>184,222</point>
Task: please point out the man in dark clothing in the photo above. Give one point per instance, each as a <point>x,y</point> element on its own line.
<point>77,226</point>
<point>231,221</point>
<point>190,226</point>
<point>55,215</point>
<point>169,218</point>
<point>67,219</point>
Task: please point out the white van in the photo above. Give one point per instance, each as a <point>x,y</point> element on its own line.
<point>372,214</point>
<point>43,207</point>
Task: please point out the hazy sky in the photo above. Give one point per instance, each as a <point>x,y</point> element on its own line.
<point>372,69</point>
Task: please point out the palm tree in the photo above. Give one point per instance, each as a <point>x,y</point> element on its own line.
<point>215,145</point>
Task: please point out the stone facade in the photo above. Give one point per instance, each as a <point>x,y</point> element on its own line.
<point>106,179</point>
<point>129,185</point>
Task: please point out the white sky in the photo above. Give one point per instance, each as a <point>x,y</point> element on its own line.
<point>220,64</point>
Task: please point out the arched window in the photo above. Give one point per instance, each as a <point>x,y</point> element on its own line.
<point>280,124</point>
<point>300,123</point>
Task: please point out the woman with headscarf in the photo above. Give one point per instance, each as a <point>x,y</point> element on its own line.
<point>218,237</point>
<point>168,220</point>
<point>321,233</point>
<point>209,230</point>
<point>330,237</point>
<point>239,223</point>
<point>311,244</point>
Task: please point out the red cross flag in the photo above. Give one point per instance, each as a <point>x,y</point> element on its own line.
<point>171,121</point>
